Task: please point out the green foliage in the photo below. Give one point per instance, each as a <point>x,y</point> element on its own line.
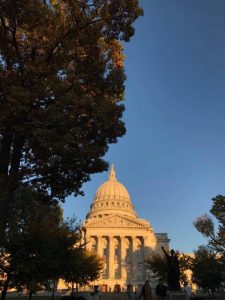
<point>33,235</point>
<point>158,265</point>
<point>61,84</point>
<point>204,224</point>
<point>38,245</point>
<point>185,262</point>
<point>209,262</point>
<point>82,267</point>
<point>208,269</point>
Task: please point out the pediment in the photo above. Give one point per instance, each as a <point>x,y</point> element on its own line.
<point>116,221</point>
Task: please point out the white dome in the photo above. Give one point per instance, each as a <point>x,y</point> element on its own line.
<point>111,197</point>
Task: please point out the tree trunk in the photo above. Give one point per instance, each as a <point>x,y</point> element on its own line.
<point>30,295</point>
<point>72,288</point>
<point>53,289</point>
<point>9,174</point>
<point>5,151</point>
<point>4,209</point>
<point>5,288</point>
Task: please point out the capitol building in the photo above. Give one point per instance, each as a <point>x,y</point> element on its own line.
<point>114,231</point>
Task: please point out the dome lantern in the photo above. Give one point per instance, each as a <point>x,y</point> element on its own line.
<point>112,173</point>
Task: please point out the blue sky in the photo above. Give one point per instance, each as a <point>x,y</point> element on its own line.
<point>172,159</point>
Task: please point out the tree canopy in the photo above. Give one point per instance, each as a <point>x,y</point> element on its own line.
<point>209,262</point>
<point>61,83</point>
<point>205,225</point>
<point>40,246</point>
<point>158,265</point>
<point>82,268</point>
<point>207,269</point>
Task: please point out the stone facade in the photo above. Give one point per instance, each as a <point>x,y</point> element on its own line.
<point>114,231</point>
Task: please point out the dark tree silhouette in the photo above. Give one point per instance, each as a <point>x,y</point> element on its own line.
<point>61,83</point>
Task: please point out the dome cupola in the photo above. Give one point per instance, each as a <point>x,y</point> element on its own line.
<point>111,198</point>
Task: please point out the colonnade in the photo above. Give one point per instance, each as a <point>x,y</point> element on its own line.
<point>124,255</point>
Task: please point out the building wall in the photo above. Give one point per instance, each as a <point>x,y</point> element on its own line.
<point>124,251</point>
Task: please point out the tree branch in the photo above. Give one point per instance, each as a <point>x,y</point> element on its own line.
<point>216,241</point>
<point>19,57</point>
<point>15,161</point>
<point>70,32</point>
<point>5,150</point>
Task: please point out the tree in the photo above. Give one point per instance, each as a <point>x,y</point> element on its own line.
<point>207,269</point>
<point>61,83</point>
<point>186,262</point>
<point>158,265</point>
<point>204,224</point>
<point>33,230</point>
<point>48,260</point>
<point>82,268</point>
<point>38,246</point>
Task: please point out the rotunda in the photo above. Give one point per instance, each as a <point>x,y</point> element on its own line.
<point>114,231</point>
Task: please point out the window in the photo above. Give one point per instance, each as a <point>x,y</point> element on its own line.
<point>94,248</point>
<point>139,258</point>
<point>128,256</point>
<point>139,275</point>
<point>117,254</point>
<point>93,243</point>
<point>128,274</point>
<point>105,252</point>
<point>117,273</point>
<point>105,274</point>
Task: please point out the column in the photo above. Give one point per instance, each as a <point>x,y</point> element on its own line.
<point>145,252</point>
<point>123,257</point>
<point>99,246</point>
<point>103,244</point>
<point>111,258</point>
<point>134,257</point>
<point>100,252</point>
<point>146,248</point>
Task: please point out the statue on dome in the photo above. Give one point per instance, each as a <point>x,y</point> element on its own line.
<point>173,270</point>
